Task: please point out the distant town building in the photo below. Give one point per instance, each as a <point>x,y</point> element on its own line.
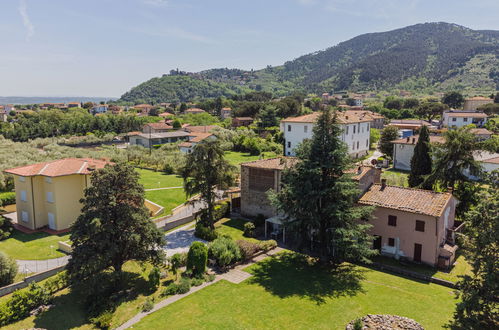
<point>241,121</point>
<point>377,120</point>
<point>148,140</point>
<point>456,119</point>
<point>482,133</point>
<point>99,108</point>
<point>143,109</point>
<point>195,139</point>
<point>472,103</point>
<point>409,124</point>
<point>225,113</point>
<point>160,127</point>
<point>403,150</point>
<point>194,111</point>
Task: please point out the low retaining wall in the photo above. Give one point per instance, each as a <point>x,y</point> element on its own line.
<point>65,247</point>
<point>33,278</point>
<point>178,222</point>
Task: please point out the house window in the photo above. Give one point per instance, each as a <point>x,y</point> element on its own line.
<point>50,197</point>
<point>23,196</point>
<point>289,153</point>
<point>368,124</point>
<point>454,119</point>
<point>357,145</point>
<point>392,220</point>
<point>367,143</point>
<point>289,128</point>
<point>24,216</point>
<point>353,146</point>
<point>305,129</point>
<point>465,119</point>
<point>48,179</point>
<point>419,225</point>
<point>354,129</point>
<point>22,178</point>
<point>347,130</point>
<point>391,241</point>
<point>289,144</point>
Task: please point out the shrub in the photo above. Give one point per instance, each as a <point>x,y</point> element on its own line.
<point>197,258</point>
<point>358,324</point>
<point>197,281</point>
<point>225,251</point>
<point>209,277</point>
<point>221,211</point>
<point>177,260</point>
<point>177,288</point>
<point>249,229</point>
<point>267,245</point>
<point>260,220</point>
<point>148,305</point>
<point>8,269</point>
<point>248,249</point>
<point>57,282</point>
<point>6,227</point>
<point>205,233</point>
<point>7,198</point>
<point>154,277</point>
<point>22,302</point>
<point>103,321</point>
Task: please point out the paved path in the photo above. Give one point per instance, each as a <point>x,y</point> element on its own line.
<point>180,240</point>
<point>36,266</point>
<point>235,275</point>
<point>375,155</point>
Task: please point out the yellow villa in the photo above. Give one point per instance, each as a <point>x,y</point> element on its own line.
<point>48,194</point>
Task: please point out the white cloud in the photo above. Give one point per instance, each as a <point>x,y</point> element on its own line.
<point>23,10</point>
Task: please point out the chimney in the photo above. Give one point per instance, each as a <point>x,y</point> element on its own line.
<point>383,184</point>
<point>359,170</point>
<point>408,138</point>
<point>413,140</point>
<point>346,117</point>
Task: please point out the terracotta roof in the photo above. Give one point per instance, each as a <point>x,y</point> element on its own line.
<point>467,114</point>
<point>409,121</point>
<point>165,114</point>
<point>244,118</point>
<point>160,125</point>
<point>198,137</point>
<point>433,139</point>
<point>200,129</point>
<point>133,133</point>
<point>227,109</point>
<point>194,110</point>
<point>185,144</point>
<point>486,157</point>
<point>406,199</point>
<point>480,131</point>
<point>343,118</point>
<point>61,167</point>
<point>479,98</point>
<point>360,171</point>
<point>164,135</point>
<point>364,113</point>
<point>142,106</point>
<point>278,163</point>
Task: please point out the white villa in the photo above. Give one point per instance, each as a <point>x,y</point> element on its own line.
<point>456,119</point>
<point>355,132</point>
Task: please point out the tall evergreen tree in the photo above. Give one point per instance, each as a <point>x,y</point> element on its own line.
<point>114,225</point>
<point>268,117</point>
<point>388,134</point>
<point>317,196</point>
<point>479,292</point>
<point>205,171</point>
<point>421,159</point>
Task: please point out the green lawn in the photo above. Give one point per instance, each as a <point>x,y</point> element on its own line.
<point>151,179</point>
<point>37,246</point>
<point>461,267</point>
<point>395,177</point>
<point>236,158</point>
<point>233,228</point>
<point>286,292</point>
<point>168,198</point>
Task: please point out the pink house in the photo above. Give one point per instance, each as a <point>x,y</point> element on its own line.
<point>412,223</point>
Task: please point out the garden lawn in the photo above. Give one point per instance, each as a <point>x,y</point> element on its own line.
<point>286,292</point>
<point>236,158</point>
<point>36,246</point>
<point>395,177</point>
<point>151,179</point>
<point>233,228</point>
<point>168,198</point>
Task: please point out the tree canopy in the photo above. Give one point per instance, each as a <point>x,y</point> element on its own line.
<point>421,159</point>
<point>388,134</point>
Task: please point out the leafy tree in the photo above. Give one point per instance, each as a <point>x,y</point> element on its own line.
<point>205,171</point>
<point>453,99</point>
<point>8,269</point>
<point>430,110</point>
<point>183,107</point>
<point>496,98</point>
<point>490,109</point>
<point>177,123</point>
<point>421,159</point>
<point>268,117</point>
<point>478,292</point>
<point>88,105</point>
<point>388,134</point>
<point>154,112</point>
<point>411,103</point>
<point>393,103</point>
<point>374,135</point>
<point>350,101</point>
<point>5,227</point>
<point>319,197</point>
<point>114,226</point>
<point>197,258</point>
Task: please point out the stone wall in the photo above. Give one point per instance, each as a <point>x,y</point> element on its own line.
<point>33,278</point>
<point>254,202</point>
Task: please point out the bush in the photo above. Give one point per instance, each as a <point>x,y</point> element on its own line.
<point>267,245</point>
<point>6,228</point>
<point>221,211</point>
<point>7,198</point>
<point>8,269</point>
<point>177,288</point>
<point>103,321</point>
<point>177,260</point>
<point>197,258</point>
<point>148,305</point>
<point>22,302</point>
<point>197,281</point>
<point>358,324</point>
<point>205,233</point>
<point>248,249</point>
<point>209,277</point>
<point>225,251</point>
<point>154,277</point>
<point>249,229</point>
<point>57,282</point>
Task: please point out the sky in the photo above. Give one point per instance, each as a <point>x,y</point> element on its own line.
<point>102,48</point>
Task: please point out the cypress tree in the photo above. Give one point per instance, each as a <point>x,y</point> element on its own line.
<point>318,197</point>
<point>421,159</point>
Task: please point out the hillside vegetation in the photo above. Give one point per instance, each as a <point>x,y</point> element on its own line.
<point>436,56</point>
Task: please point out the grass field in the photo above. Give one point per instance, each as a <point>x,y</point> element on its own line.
<point>233,228</point>
<point>287,292</point>
<point>395,177</point>
<point>151,179</point>
<point>168,198</point>
<point>236,158</point>
<point>37,246</point>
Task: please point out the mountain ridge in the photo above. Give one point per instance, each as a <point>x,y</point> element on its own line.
<point>438,56</point>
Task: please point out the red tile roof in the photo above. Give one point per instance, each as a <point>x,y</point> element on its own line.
<point>194,110</point>
<point>343,118</point>
<point>467,114</point>
<point>406,199</point>
<point>198,137</point>
<point>61,167</point>
<point>200,129</point>
<point>433,139</point>
<point>160,125</point>
<point>278,163</point>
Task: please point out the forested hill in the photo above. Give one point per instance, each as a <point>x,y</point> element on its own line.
<point>439,56</point>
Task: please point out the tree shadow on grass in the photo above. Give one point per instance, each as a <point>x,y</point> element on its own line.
<point>292,274</point>
<point>234,223</point>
